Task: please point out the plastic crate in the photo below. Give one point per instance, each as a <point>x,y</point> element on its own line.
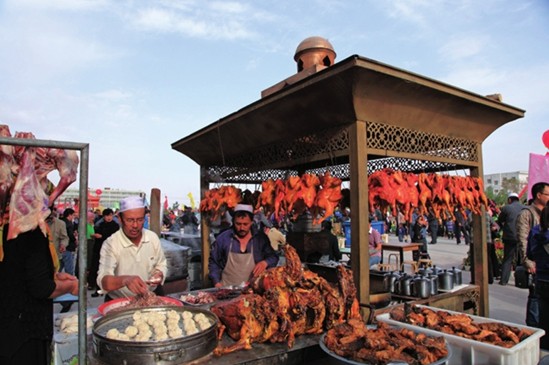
<point>466,351</point>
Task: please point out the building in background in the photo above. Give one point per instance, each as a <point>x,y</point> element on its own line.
<point>97,198</point>
<point>506,181</point>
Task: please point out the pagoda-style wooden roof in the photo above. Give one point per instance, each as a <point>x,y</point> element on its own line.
<point>354,89</point>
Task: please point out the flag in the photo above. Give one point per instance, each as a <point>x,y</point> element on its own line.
<point>166,202</point>
<point>193,205</point>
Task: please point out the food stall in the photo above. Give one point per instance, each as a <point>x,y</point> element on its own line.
<point>351,118</point>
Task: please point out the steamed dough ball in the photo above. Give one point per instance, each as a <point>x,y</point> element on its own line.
<point>172,314</point>
<point>131,331</point>
<point>113,333</point>
<point>143,327</point>
<point>137,316</point>
<point>199,317</point>
<point>161,317</point>
<point>186,315</point>
<point>173,322</point>
<point>162,336</point>
<point>204,324</point>
<point>175,332</point>
<point>160,330</point>
<point>143,336</point>
<point>123,337</point>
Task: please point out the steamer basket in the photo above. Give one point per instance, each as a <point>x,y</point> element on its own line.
<point>167,352</point>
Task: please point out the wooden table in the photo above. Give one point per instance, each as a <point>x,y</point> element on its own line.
<point>399,247</point>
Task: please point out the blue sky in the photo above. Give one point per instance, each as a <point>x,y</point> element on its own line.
<point>132,77</point>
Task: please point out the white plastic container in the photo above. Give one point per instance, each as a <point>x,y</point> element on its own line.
<point>466,351</point>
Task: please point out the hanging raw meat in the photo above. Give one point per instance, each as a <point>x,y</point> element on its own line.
<point>28,203</point>
<point>47,160</point>
<point>8,170</point>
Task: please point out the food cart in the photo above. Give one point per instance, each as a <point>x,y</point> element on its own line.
<point>351,118</point>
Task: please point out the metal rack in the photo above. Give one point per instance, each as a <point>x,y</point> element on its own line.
<point>82,249</point>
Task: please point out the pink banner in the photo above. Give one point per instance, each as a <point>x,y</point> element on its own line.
<point>538,171</point>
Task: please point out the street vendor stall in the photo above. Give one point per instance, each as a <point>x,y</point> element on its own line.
<point>351,118</point>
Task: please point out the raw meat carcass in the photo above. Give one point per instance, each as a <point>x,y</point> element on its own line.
<point>28,203</point>
<point>47,160</point>
<point>8,170</point>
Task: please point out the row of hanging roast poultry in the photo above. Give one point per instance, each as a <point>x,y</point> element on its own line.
<point>388,189</point>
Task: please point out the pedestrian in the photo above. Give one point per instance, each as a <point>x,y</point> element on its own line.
<point>536,251</point>
<point>420,236</point>
<point>106,228</point>
<point>70,250</point>
<point>507,221</point>
<point>526,220</point>
<point>460,227</point>
<point>374,246</point>
<point>433,226</point>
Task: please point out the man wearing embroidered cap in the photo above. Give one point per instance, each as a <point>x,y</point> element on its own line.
<point>238,254</point>
<point>131,261</point>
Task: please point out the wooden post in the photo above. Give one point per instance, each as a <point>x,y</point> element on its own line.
<point>204,231</point>
<point>479,248</point>
<point>155,224</point>
<point>358,167</point>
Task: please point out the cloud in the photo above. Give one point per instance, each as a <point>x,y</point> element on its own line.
<point>457,49</point>
<point>218,20</point>
<point>71,5</point>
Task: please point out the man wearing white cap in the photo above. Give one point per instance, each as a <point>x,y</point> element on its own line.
<point>507,221</point>
<point>132,261</point>
<point>239,254</point>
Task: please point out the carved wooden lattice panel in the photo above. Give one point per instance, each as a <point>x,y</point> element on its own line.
<point>393,138</point>
<point>250,167</point>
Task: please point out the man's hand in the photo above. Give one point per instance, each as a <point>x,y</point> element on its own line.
<point>65,283</point>
<point>62,249</point>
<point>135,284</point>
<point>259,268</point>
<point>218,285</point>
<point>155,278</point>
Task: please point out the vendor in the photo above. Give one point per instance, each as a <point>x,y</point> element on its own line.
<point>131,261</point>
<point>239,254</point>
<point>28,283</point>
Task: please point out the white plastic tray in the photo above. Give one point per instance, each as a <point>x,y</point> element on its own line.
<point>466,351</point>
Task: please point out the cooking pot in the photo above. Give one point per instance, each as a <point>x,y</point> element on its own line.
<point>434,283</point>
<point>425,271</point>
<point>393,279</point>
<point>167,352</point>
<point>380,281</point>
<point>436,270</point>
<point>446,280</point>
<point>421,287</point>
<point>457,276</point>
<point>403,286</point>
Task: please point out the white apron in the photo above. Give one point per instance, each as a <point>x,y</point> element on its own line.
<point>239,267</point>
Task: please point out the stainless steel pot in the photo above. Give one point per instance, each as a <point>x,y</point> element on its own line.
<point>168,352</point>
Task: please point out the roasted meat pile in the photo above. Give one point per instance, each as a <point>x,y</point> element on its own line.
<point>284,302</point>
<point>461,325</point>
<point>383,345</point>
